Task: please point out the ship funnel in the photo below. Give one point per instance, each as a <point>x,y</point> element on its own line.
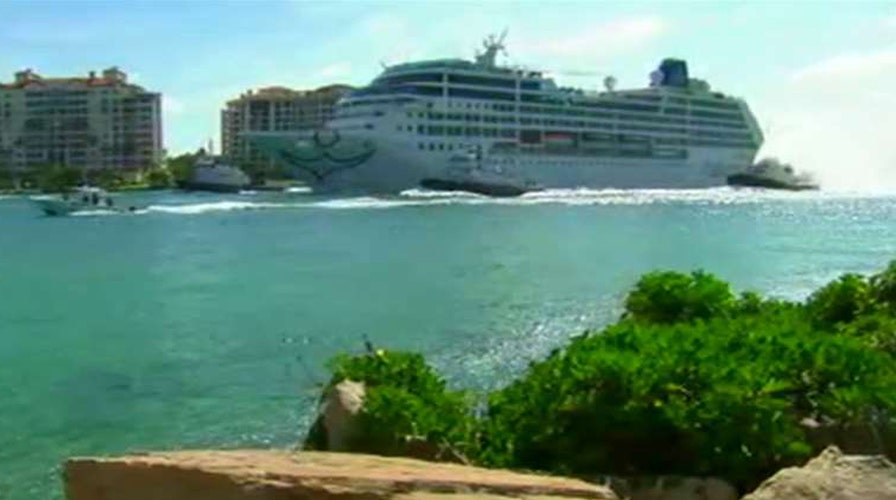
<point>671,73</point>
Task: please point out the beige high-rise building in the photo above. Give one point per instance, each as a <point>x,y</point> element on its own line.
<point>273,109</point>
<point>95,122</point>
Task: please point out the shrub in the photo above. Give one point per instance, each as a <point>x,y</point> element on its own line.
<point>691,381</point>
<point>883,288</point>
<point>159,178</point>
<point>56,178</point>
<point>723,397</point>
<point>670,297</point>
<point>840,301</point>
<point>405,398</point>
<point>107,178</point>
<point>876,330</point>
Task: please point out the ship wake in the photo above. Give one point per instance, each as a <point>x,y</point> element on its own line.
<point>563,197</point>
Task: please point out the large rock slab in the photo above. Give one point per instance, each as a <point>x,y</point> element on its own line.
<point>673,488</point>
<point>282,475</point>
<point>832,476</point>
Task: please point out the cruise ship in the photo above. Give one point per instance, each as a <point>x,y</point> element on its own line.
<point>414,121</point>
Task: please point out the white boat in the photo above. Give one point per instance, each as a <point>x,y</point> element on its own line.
<point>82,199</point>
<point>212,174</point>
<point>773,174</point>
<point>409,122</point>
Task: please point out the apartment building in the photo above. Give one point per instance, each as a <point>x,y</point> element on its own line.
<point>98,121</point>
<point>273,109</point>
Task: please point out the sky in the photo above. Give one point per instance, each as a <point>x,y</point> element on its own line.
<point>816,74</point>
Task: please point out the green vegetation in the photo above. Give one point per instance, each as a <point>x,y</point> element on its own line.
<point>670,297</point>
<point>692,380</point>
<point>159,178</point>
<point>57,178</point>
<point>181,166</point>
<point>405,397</point>
<point>106,178</point>
<point>7,180</point>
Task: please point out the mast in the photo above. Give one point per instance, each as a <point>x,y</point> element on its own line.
<point>491,46</point>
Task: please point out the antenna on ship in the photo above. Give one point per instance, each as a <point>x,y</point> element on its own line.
<point>491,47</point>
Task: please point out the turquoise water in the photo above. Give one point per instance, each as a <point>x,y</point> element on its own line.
<point>205,320</point>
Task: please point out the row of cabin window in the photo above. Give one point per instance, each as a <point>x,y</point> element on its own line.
<point>466,131</point>
<point>725,120</point>
<point>576,110</point>
<point>621,116</point>
<point>437,130</point>
<point>524,84</point>
<point>482,81</point>
<point>533,85</point>
<point>558,101</point>
<point>645,152</point>
<point>442,146</point>
<point>699,136</point>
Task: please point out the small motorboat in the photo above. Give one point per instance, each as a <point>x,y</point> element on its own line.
<point>82,199</point>
<point>772,174</point>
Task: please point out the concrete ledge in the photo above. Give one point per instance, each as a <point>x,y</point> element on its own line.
<point>281,475</point>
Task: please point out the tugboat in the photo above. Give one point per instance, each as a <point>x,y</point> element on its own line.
<point>772,174</point>
<point>467,173</point>
<point>210,174</point>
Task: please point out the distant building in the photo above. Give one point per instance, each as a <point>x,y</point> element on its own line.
<point>273,108</point>
<point>93,122</point>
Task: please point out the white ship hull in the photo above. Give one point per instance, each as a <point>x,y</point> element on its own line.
<point>393,166</point>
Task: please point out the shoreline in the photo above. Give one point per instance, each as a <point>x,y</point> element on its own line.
<point>272,186</point>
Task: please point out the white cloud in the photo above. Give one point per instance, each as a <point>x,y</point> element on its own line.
<point>601,40</point>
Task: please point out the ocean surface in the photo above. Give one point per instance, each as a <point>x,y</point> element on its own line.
<point>206,320</point>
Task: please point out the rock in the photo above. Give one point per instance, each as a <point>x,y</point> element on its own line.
<point>674,488</point>
<point>338,428</point>
<point>341,407</point>
<point>337,425</point>
<point>282,475</point>
<point>832,476</point>
<point>419,448</point>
